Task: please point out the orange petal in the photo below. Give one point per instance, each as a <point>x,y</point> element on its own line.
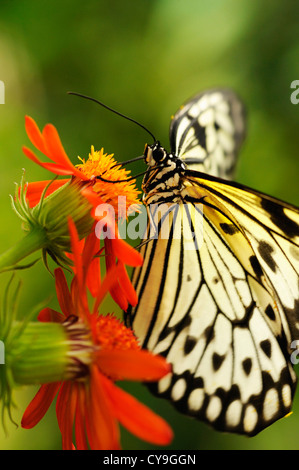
<point>116,291</point>
<point>34,134</point>
<point>119,297</point>
<point>94,277</point>
<point>127,286</point>
<point>54,147</point>
<point>91,263</point>
<point>81,442</point>
<point>123,292</point>
<point>32,156</point>
<point>35,189</point>
<point>77,252</point>
<point>101,425</point>
<point>126,253</point>
<point>132,364</point>
<point>56,152</point>
<point>63,294</point>
<point>65,410</point>
<point>49,315</point>
<point>138,418</point>
<point>53,167</point>
<point>106,286</point>
<point>71,256</point>
<point>91,196</point>
<point>91,248</point>
<point>38,407</point>
<point>58,169</point>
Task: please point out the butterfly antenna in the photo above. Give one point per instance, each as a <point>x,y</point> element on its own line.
<point>144,243</point>
<point>120,181</point>
<point>113,111</point>
<point>131,177</point>
<point>141,157</point>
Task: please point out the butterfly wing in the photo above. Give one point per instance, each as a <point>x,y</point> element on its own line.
<point>212,305</point>
<point>207,132</point>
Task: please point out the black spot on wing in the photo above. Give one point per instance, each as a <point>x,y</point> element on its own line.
<point>256,266</point>
<point>230,229</point>
<point>197,382</point>
<point>247,364</point>
<point>266,347</point>
<point>266,251</point>
<point>209,333</point>
<point>270,312</point>
<point>200,133</point>
<point>189,344</point>
<point>292,318</point>
<point>279,218</point>
<point>217,361</point>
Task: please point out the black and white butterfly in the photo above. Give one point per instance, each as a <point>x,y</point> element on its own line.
<point>219,289</point>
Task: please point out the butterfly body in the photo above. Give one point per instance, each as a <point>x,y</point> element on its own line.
<point>218,290</point>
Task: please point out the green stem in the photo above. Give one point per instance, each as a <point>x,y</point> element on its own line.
<point>33,241</point>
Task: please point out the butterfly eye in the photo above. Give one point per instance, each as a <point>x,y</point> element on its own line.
<point>159,154</point>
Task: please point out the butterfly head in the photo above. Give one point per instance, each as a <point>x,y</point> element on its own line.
<point>154,154</point>
<point>164,171</point>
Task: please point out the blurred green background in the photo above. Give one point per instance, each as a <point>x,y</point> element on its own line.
<point>145,58</point>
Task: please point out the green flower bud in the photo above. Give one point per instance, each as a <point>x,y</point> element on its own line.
<point>46,225</point>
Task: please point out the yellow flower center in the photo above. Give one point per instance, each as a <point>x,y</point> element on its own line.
<point>112,334</point>
<point>104,165</point>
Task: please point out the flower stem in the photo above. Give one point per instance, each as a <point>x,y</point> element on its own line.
<point>33,241</point>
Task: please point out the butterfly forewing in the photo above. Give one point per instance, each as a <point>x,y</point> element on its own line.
<point>207,132</point>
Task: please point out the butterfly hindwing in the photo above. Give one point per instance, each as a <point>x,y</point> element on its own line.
<point>207,132</point>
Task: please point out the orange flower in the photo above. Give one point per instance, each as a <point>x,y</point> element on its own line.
<point>93,192</point>
<point>90,406</point>
<point>98,164</point>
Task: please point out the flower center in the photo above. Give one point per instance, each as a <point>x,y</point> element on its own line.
<point>112,334</point>
<point>102,164</point>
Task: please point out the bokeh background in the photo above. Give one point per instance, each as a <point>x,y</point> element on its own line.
<point>144,58</point>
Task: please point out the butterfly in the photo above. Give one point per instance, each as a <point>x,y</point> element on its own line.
<point>219,289</point>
